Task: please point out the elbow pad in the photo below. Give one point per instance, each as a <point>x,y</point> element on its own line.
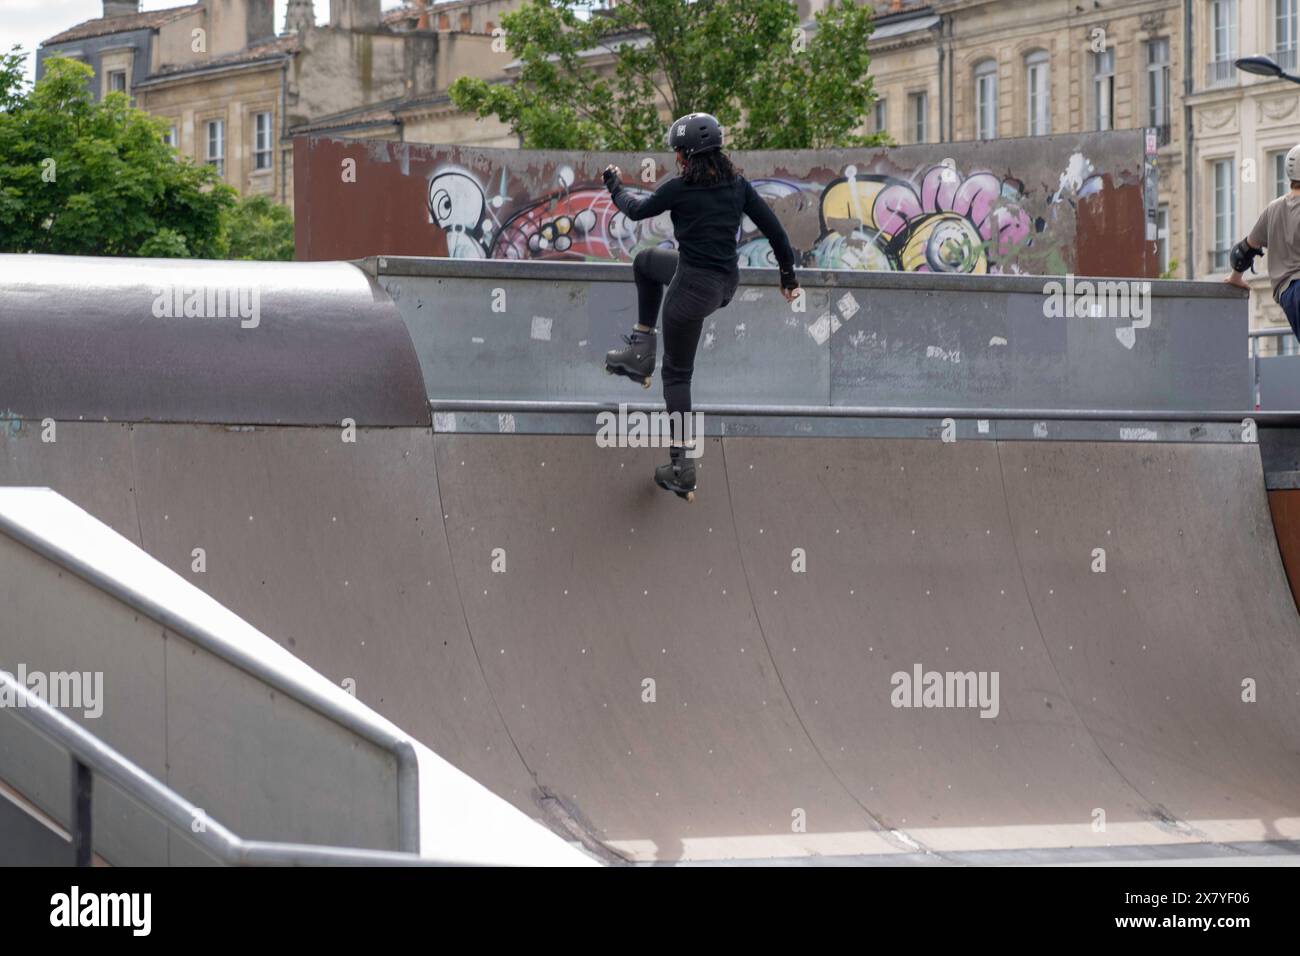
<point>1243,257</point>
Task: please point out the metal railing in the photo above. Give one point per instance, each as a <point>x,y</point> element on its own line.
<point>368,727</point>
<point>92,758</point>
<point>1284,343</point>
<point>1221,73</point>
<point>1286,59</point>
<point>524,407</point>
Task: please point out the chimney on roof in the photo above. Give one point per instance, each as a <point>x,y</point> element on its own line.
<point>120,8</point>
<point>422,9</point>
<point>299,16</point>
<point>355,14</point>
<point>234,25</point>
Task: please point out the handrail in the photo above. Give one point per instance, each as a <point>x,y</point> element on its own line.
<point>91,754</point>
<point>1261,333</point>
<point>376,731</point>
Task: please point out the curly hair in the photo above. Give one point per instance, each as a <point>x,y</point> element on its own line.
<point>707,169</point>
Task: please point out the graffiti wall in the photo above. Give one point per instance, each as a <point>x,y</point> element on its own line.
<point>1050,205</point>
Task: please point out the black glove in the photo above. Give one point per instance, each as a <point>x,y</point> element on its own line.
<point>1243,257</point>
<point>610,177</point>
<point>788,281</point>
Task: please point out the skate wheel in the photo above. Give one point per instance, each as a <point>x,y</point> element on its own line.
<point>608,370</point>
<point>645,383</point>
<point>690,497</point>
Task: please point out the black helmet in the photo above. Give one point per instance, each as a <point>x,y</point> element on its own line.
<point>695,133</point>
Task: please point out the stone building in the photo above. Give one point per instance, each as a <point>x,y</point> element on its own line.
<point>963,69</point>
<point>233,90</point>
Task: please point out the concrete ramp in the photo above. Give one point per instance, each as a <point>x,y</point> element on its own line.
<point>1066,634</point>
<point>663,682</point>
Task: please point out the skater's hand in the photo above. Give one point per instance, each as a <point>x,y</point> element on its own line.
<point>1237,280</point>
<point>789,284</point>
<point>612,176</point>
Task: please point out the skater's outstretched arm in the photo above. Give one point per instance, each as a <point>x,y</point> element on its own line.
<point>635,209</point>
<point>762,216</point>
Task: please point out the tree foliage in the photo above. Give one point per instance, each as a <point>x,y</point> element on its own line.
<point>772,84</point>
<point>79,177</point>
<point>259,229</point>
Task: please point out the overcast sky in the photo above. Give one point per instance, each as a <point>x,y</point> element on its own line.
<point>28,22</point>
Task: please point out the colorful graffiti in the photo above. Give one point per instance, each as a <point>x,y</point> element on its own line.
<point>939,221</point>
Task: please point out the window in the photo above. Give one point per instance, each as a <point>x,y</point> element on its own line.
<point>1158,87</point>
<point>1039,92</point>
<point>217,145</point>
<point>1223,41</point>
<point>986,99</point>
<point>117,81</point>
<point>1281,185</point>
<point>881,115</point>
<point>1162,239</point>
<point>1284,33</point>
<point>1225,213</point>
<point>1103,89</point>
<point>262,141</point>
<point>920,109</point>
<point>169,136</point>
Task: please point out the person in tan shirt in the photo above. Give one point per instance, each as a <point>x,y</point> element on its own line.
<point>1278,231</point>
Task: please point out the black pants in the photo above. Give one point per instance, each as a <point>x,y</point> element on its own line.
<point>693,294</point>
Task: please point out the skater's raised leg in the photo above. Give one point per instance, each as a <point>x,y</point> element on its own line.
<point>653,270</point>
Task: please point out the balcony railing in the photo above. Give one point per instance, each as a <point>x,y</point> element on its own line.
<point>1219,259</point>
<point>1286,59</point>
<point>1220,73</point>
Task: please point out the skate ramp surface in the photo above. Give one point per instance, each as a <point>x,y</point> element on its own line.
<point>1099,593</point>
<point>662,682</point>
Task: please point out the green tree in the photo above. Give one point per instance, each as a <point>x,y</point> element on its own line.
<point>84,178</point>
<point>259,229</point>
<point>748,62</point>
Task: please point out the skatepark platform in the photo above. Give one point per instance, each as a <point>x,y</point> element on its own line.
<point>1096,582</point>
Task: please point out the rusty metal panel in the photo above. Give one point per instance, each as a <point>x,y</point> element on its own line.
<point>1049,206</point>
<point>200,341</point>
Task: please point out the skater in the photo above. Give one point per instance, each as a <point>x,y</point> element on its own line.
<point>1278,230</point>
<point>706,202</point>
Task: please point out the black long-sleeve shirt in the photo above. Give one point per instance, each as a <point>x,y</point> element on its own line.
<point>706,219</point>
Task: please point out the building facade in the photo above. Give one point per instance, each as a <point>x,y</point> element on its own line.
<point>233,92</point>
<point>952,70</point>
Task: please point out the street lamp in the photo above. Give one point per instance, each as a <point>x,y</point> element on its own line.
<point>1264,66</point>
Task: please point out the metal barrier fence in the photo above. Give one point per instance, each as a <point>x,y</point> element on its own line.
<point>1275,369</point>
